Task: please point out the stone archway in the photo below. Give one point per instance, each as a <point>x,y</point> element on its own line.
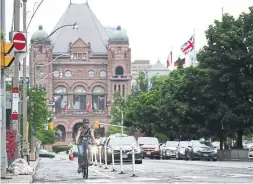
<point>60,133</point>
<point>75,129</point>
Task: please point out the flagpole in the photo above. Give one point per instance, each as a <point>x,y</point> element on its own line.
<point>194,47</point>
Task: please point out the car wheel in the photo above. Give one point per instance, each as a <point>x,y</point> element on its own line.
<point>214,160</point>
<point>138,161</point>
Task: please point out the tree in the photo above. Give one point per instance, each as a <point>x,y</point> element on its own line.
<point>46,136</point>
<point>229,52</point>
<point>37,111</point>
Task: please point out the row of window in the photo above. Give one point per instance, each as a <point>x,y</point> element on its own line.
<point>78,56</point>
<point>79,90</point>
<point>91,74</point>
<point>120,89</point>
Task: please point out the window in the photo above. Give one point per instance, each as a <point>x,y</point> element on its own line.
<point>119,70</point>
<point>84,56</point>
<point>115,87</point>
<point>91,74</point>
<point>79,98</point>
<point>119,89</point>
<point>98,98</point>
<point>60,98</point>
<point>119,49</point>
<point>75,56</point>
<point>102,74</point>
<point>40,69</point>
<point>79,56</point>
<point>68,73</point>
<point>41,49</point>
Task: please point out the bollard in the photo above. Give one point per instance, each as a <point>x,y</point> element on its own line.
<point>100,156</point>
<point>113,161</point>
<point>92,155</point>
<point>105,159</point>
<point>121,161</point>
<point>133,160</point>
<point>96,162</point>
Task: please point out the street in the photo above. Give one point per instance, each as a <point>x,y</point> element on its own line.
<point>62,170</point>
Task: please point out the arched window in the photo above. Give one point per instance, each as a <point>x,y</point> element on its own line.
<point>119,71</point>
<point>79,96</point>
<point>98,98</point>
<point>60,98</point>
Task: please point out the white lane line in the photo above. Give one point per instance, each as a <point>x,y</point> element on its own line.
<point>97,171</point>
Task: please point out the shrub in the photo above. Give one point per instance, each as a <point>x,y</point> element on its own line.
<point>60,148</point>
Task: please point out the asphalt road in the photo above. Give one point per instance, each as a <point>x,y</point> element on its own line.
<point>61,170</point>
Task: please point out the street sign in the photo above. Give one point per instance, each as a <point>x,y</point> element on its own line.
<point>5,49</point>
<point>19,41</point>
<point>15,98</point>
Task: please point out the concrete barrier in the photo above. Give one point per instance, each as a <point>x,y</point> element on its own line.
<point>233,154</point>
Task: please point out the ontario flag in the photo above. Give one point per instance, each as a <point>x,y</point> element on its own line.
<point>169,60</point>
<point>188,46</point>
<point>176,63</point>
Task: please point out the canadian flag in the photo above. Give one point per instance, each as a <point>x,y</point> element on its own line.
<point>88,106</point>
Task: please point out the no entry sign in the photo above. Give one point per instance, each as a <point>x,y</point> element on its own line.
<point>19,41</point>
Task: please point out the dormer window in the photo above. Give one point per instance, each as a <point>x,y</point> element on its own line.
<point>79,56</point>
<point>75,56</point>
<point>84,56</point>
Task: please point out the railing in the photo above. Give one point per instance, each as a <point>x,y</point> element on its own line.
<point>80,112</point>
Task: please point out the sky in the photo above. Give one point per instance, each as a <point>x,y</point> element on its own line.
<point>154,27</point>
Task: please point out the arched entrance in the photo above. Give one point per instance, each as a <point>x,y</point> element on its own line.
<point>60,133</point>
<point>75,130</point>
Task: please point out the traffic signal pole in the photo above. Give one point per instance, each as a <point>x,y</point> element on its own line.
<point>15,125</point>
<point>3,98</point>
<point>25,137</point>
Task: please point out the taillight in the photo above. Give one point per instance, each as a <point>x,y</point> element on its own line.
<point>251,149</point>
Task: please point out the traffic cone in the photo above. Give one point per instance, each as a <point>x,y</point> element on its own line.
<point>71,157</point>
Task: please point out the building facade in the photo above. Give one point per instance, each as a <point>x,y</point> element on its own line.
<point>157,69</point>
<point>139,66</point>
<point>81,69</point>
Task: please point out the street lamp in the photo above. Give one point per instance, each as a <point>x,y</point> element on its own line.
<point>54,72</point>
<point>34,67</point>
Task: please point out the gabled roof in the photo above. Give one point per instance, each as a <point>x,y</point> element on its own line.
<point>158,67</point>
<point>89,30</point>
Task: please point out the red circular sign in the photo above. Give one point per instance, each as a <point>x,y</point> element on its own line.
<point>19,41</point>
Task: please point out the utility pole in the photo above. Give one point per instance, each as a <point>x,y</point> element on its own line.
<point>25,137</point>
<point>3,99</point>
<point>16,123</point>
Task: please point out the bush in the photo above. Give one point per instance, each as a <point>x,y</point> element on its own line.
<point>60,148</point>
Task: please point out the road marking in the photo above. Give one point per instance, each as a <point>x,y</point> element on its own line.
<point>97,171</point>
<point>145,179</point>
<point>97,181</point>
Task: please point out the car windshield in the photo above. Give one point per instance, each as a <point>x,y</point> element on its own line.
<point>42,151</point>
<point>198,144</point>
<point>121,141</point>
<point>148,140</point>
<point>207,144</point>
<point>184,144</point>
<point>172,143</point>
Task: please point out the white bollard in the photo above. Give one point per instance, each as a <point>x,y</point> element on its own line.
<point>96,162</point>
<point>121,161</point>
<point>100,156</point>
<point>113,161</point>
<point>105,159</point>
<point>92,156</point>
<point>133,160</point>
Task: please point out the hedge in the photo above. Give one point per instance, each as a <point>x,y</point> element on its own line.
<point>60,148</point>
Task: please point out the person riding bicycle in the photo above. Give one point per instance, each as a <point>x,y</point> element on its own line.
<point>87,132</point>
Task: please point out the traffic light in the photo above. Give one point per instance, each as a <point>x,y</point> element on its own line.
<point>6,49</point>
<point>51,125</point>
<point>97,124</point>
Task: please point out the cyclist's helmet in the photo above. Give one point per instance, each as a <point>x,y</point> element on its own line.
<point>86,121</point>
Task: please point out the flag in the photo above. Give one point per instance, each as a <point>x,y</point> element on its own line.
<point>88,106</point>
<point>66,106</point>
<point>176,62</point>
<point>169,60</point>
<point>188,46</point>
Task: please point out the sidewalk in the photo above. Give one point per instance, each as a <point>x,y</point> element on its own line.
<point>22,178</point>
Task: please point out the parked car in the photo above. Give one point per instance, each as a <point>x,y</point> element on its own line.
<point>150,147</point>
<point>180,150</point>
<point>198,150</point>
<point>45,153</point>
<point>114,142</point>
<point>170,150</point>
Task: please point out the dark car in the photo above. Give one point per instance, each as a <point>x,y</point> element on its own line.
<point>45,153</point>
<point>150,147</point>
<point>198,150</point>
<point>127,142</point>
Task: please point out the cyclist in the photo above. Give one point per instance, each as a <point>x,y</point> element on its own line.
<point>84,131</point>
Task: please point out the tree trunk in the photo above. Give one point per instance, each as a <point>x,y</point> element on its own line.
<point>221,142</point>
<point>239,139</point>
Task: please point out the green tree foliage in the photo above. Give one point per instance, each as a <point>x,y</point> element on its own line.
<point>46,136</point>
<point>37,111</point>
<point>212,100</point>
